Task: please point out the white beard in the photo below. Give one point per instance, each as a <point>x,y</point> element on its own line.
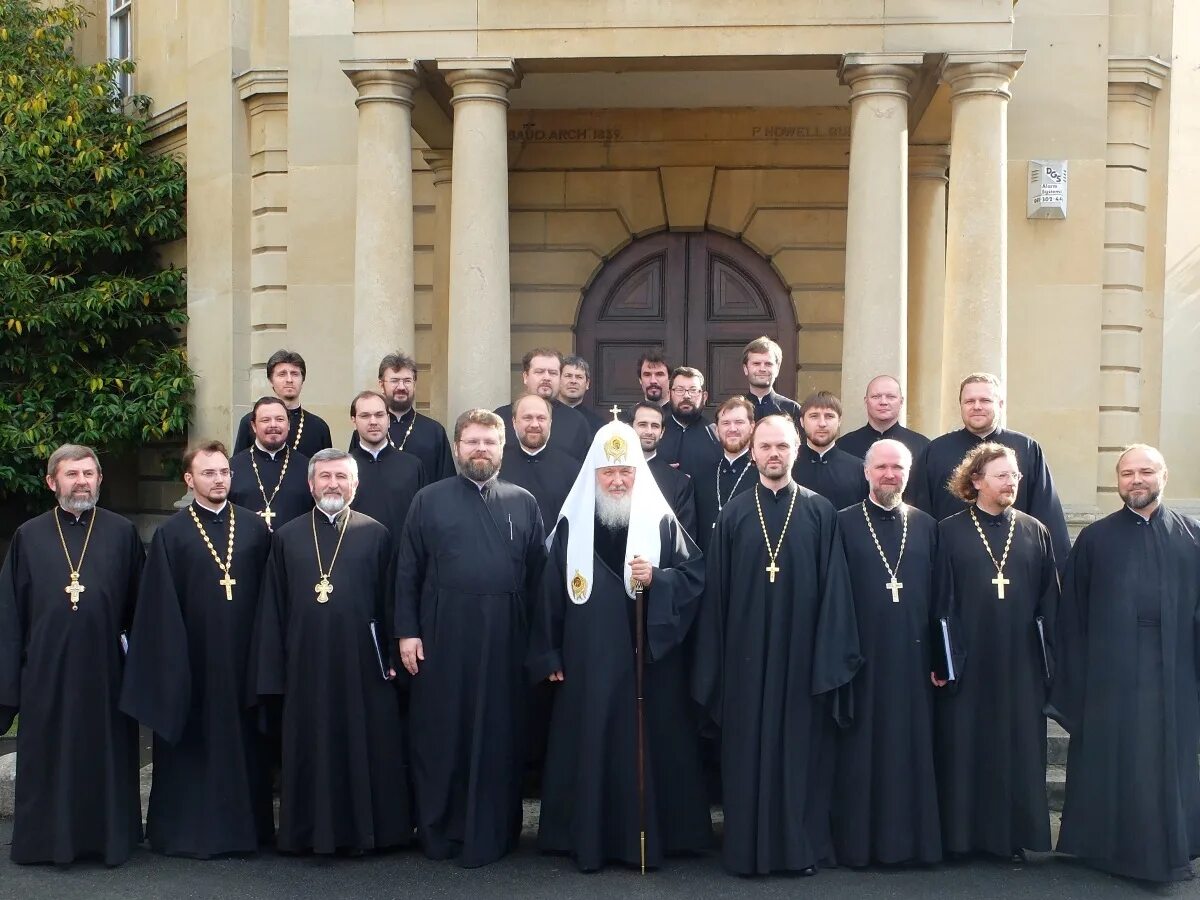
<point>613,512</point>
<point>331,505</point>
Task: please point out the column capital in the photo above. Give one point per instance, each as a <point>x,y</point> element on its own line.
<point>928,161</point>
<point>383,80</point>
<point>440,162</point>
<point>981,72</point>
<point>480,78</point>
<point>869,74</point>
<point>1136,78</point>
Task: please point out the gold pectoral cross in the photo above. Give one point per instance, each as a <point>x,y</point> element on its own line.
<point>323,588</point>
<point>894,586</point>
<point>1000,581</point>
<point>74,589</point>
<point>268,515</point>
<point>228,582</point>
<point>772,570</point>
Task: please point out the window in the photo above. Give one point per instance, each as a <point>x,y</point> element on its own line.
<point>120,39</point>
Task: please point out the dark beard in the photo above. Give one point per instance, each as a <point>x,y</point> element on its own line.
<point>687,418</point>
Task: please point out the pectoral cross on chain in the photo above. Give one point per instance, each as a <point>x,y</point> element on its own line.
<point>74,589</point>
<point>268,515</point>
<point>772,570</point>
<point>894,586</point>
<point>1000,581</point>
<point>323,588</point>
<point>227,582</point>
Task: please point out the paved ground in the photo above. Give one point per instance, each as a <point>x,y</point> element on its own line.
<point>528,875</point>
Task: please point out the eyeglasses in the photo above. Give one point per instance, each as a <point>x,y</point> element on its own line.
<point>213,473</point>
<point>687,392</point>
<point>393,382</point>
<point>1005,476</point>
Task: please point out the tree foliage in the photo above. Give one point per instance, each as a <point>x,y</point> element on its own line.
<point>89,323</point>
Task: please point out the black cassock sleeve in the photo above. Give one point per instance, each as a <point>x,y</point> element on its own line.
<point>918,483</point>
<point>708,666</point>
<point>268,675</point>
<point>836,654</point>
<point>686,509</point>
<point>1047,609</point>
<point>535,557</point>
<point>544,656</point>
<point>674,594</point>
<point>1045,506</point>
<point>157,686</point>
<point>410,574</point>
<point>12,637</point>
<point>244,436</point>
<point>945,606</point>
<point>445,463</point>
<point>1071,637</point>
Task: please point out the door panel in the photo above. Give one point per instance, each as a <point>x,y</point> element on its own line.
<point>700,297</point>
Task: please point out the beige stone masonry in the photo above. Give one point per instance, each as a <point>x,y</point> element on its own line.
<point>927,164</point>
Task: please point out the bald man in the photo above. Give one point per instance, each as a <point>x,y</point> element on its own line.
<point>884,401</point>
<point>1125,687</point>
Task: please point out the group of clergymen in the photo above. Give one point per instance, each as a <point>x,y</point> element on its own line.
<point>857,687</point>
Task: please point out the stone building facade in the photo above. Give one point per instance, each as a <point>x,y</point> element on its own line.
<point>472,178</point>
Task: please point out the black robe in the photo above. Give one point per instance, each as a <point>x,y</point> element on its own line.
<point>837,476</point>
<point>468,568</point>
<point>343,782</point>
<point>595,420</point>
<point>387,484</point>
<point>990,729</point>
<point>773,667</point>
<point>716,486</point>
<point>885,806</point>
<point>678,491</point>
<point>186,680</point>
<point>1126,689</point>
<point>424,438</point>
<point>77,770</point>
<point>859,441</point>
<point>590,785</point>
<point>693,446</point>
<point>293,497</point>
<point>1035,494</point>
<point>773,404</point>
<point>313,438</point>
<point>569,430</point>
<point>548,475</point>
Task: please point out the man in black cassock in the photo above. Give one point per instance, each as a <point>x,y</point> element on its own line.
<point>1125,685</point>
<point>268,478</point>
<point>307,432</point>
<point>994,583</point>
<point>388,480</point>
<point>822,466</point>
<point>776,650</point>
<point>688,443</point>
<point>186,672</point>
<point>981,401</point>
<point>408,430</point>
<point>617,528</point>
<point>67,594</point>
<point>541,372</point>
<point>322,647</point>
<point>761,360</point>
<point>468,568</point>
<point>675,486</point>
<point>884,401</point>
<point>885,805</point>
<point>573,386</point>
<point>734,473</point>
<point>530,462</point>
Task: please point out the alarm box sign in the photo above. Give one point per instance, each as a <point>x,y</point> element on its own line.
<point>1047,189</point>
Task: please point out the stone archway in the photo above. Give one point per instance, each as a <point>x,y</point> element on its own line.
<point>700,296</point>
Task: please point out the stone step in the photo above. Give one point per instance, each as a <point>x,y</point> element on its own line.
<point>1056,744</point>
<point>1056,787</point>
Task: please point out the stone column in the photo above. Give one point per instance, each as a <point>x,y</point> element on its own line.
<point>927,165</point>
<point>976,322</point>
<point>875,323</point>
<point>478,338</point>
<point>265,92</point>
<point>1133,84</point>
<point>383,239</point>
<point>439,161</point>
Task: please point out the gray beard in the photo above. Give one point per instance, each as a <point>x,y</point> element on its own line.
<point>888,499</point>
<point>1143,502</point>
<point>612,512</point>
<point>77,505</point>
<point>479,470</point>
<point>331,506</point>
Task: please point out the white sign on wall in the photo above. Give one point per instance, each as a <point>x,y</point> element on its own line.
<point>1047,198</point>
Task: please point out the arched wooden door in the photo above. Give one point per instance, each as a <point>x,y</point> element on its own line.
<point>701,297</point>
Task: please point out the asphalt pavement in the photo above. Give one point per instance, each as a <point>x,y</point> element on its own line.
<point>527,874</point>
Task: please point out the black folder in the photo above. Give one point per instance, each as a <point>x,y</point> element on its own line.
<point>944,661</point>
<point>1047,667</point>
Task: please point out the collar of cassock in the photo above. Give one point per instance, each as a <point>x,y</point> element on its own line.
<point>205,513</point>
<point>1139,519</point>
<point>338,521</point>
<point>986,518</point>
<point>69,518</point>
<point>616,444</point>
<point>816,456</point>
<point>738,462</point>
<point>256,447</point>
<point>888,515</point>
<point>407,414</point>
<point>783,493</point>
